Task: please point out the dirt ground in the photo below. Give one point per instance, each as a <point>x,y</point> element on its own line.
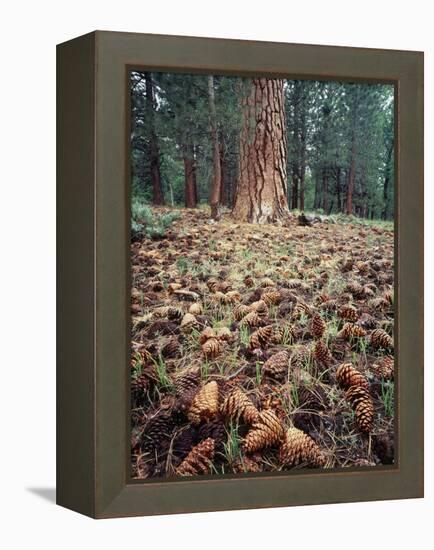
<point>213,302</point>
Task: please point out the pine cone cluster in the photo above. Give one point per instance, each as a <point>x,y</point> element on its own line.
<point>238,405</point>
<point>267,430</point>
<point>277,365</point>
<point>298,448</point>
<point>361,402</point>
<point>199,459</point>
<point>317,326</point>
<point>347,375</point>
<point>205,403</point>
<point>380,339</point>
<point>260,338</point>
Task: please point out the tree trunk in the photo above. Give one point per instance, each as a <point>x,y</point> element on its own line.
<point>262,189</point>
<point>317,199</point>
<point>295,179</point>
<point>154,154</point>
<point>338,188</point>
<point>190,177</point>
<point>386,184</point>
<point>216,180</point>
<point>224,198</point>
<point>352,172</point>
<point>303,157</point>
<point>325,190</point>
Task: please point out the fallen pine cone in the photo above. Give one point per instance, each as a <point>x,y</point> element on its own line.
<point>298,448</point>
<point>261,337</point>
<point>347,375</point>
<point>380,339</point>
<point>205,403</point>
<point>350,331</point>
<point>238,405</point>
<point>199,459</point>
<point>267,430</point>
<point>211,348</point>
<point>322,353</point>
<point>361,402</point>
<point>277,364</point>
<point>317,326</point>
<point>384,368</point>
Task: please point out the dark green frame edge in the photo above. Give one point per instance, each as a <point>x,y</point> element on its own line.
<point>93,273</point>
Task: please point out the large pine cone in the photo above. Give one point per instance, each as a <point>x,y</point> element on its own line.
<point>267,430</point>
<point>199,459</point>
<point>237,404</point>
<point>277,364</point>
<point>347,375</point>
<point>205,403</point>
<point>380,339</point>
<point>298,448</point>
<point>317,326</point>
<point>322,353</point>
<point>361,401</point>
<point>261,337</point>
<point>212,348</point>
<point>384,368</point>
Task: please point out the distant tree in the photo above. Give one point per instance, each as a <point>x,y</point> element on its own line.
<point>216,155</point>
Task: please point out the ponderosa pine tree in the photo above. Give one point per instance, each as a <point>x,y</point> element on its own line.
<point>261,195</point>
<point>154,155</point>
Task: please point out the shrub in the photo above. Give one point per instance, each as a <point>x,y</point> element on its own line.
<point>144,221</point>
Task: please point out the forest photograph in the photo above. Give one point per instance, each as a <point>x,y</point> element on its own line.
<point>262,275</point>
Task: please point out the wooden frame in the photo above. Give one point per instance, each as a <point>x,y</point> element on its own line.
<point>93,274</point>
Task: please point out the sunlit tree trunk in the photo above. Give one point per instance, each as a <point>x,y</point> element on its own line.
<point>190,177</point>
<point>261,195</point>
<point>216,180</point>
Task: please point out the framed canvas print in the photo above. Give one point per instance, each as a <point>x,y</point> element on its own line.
<point>240,229</point>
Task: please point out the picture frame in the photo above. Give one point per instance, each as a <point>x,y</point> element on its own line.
<point>93,277</point>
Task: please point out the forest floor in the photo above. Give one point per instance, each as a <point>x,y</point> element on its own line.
<point>213,302</point>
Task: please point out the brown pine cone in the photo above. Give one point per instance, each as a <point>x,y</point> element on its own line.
<point>283,334</point>
<point>211,348</point>
<point>248,281</point>
<point>213,284</point>
<point>251,320</point>
<point>322,353</point>
<point>300,356</point>
<point>171,348</point>
<point>260,338</point>
<point>206,334</point>
<point>300,309</point>
<point>224,334</point>
<point>317,326</point>
<point>205,403</point>
<point>350,331</point>
<point>298,448</point>
<point>199,459</point>
<point>384,368</point>
<point>260,307</point>
<point>157,431</point>
<point>329,306</point>
<point>355,289</point>
<point>267,430</point>
<point>195,309</point>
<point>277,364</point>
<point>246,465</point>
<point>349,313</point>
<point>175,314</point>
<point>240,311</point>
<point>237,404</point>
<point>347,375</point>
<point>214,428</point>
<point>271,297</point>
<point>380,339</point>
<point>139,388</point>
<point>361,402</point>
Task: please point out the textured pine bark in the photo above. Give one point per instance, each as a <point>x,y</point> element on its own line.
<point>216,181</point>
<point>262,188</point>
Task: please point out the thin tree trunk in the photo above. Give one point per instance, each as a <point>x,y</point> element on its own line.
<point>386,183</point>
<point>317,199</point>
<point>154,153</point>
<point>216,180</point>
<point>262,189</point>
<point>295,179</point>
<point>352,172</point>
<point>190,177</point>
<point>338,188</point>
<point>325,196</point>
<point>303,131</point>
<point>224,199</point>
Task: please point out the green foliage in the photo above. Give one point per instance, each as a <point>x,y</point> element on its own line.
<point>143,220</point>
